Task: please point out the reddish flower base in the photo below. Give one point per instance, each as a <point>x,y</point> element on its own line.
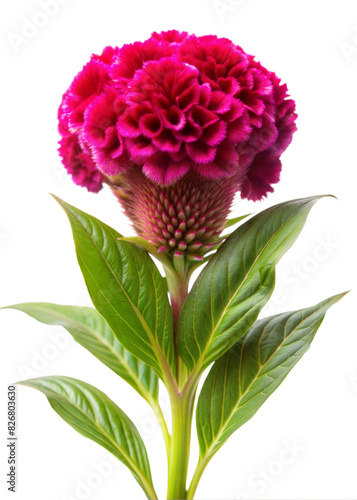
<point>186,217</point>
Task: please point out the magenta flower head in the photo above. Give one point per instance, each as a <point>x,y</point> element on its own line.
<point>176,125</point>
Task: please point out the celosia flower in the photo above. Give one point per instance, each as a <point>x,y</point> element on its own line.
<point>79,164</point>
<point>88,84</point>
<point>173,123</point>
<point>77,157</point>
<point>178,121</point>
<point>100,132</point>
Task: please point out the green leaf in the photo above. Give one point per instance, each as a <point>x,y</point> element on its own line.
<point>89,329</point>
<point>95,416</point>
<point>235,220</point>
<point>241,381</point>
<point>237,282</point>
<point>126,288</point>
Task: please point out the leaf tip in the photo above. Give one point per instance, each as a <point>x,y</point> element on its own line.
<point>62,203</point>
<point>55,197</point>
<point>12,306</point>
<point>341,295</point>
<point>23,382</point>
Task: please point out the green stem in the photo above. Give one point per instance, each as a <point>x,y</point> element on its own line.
<point>182,410</point>
<point>182,403</point>
<point>162,422</point>
<point>202,464</point>
<point>177,283</point>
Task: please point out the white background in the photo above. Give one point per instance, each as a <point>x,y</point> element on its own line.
<point>312,45</point>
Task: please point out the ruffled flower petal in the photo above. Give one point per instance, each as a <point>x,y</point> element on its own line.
<point>174,104</point>
<point>79,164</point>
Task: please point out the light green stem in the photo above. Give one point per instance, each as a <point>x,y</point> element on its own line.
<point>202,464</point>
<point>162,422</point>
<point>182,409</point>
<point>181,402</point>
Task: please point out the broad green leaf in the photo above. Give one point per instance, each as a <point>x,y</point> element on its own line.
<point>126,288</point>
<point>237,282</point>
<point>241,381</point>
<point>95,416</point>
<point>89,329</point>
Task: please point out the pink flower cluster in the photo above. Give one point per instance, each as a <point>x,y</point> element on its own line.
<point>173,104</point>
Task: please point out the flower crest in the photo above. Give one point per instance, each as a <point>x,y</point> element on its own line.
<point>176,104</point>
